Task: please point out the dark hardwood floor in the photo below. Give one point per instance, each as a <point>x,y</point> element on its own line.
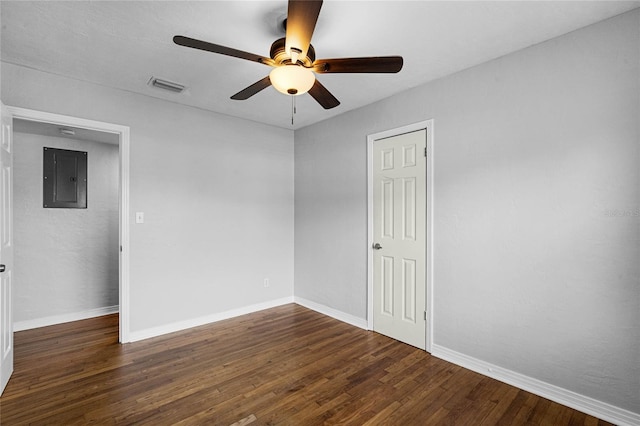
<point>286,366</point>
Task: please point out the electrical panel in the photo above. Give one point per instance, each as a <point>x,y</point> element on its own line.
<point>64,179</point>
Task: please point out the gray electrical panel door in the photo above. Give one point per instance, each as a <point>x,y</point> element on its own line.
<point>64,179</point>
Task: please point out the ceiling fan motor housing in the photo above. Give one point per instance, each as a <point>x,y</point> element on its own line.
<point>279,55</point>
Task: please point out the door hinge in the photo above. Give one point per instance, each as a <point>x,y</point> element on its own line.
<point>120,249</point>
<point>425,315</point>
<point>425,151</point>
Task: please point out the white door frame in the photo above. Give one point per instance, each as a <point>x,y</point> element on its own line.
<point>123,134</point>
<point>428,125</point>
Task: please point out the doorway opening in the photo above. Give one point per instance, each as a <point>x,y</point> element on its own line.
<point>104,137</point>
<point>387,151</point>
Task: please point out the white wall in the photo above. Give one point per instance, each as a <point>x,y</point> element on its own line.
<point>65,260</point>
<point>537,194</point>
<point>217,193</point>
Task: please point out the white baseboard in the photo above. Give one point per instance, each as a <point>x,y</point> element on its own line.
<point>59,319</point>
<point>585,404</point>
<point>330,312</point>
<point>135,336</point>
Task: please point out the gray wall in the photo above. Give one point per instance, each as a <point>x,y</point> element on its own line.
<point>536,198</point>
<point>537,202</point>
<point>66,260</point>
<point>217,193</point>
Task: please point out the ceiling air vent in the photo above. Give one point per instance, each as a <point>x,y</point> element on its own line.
<point>166,85</point>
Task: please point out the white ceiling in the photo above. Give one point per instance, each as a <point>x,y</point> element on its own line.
<point>122,44</point>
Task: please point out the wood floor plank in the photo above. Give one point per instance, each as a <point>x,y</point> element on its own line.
<point>282,366</point>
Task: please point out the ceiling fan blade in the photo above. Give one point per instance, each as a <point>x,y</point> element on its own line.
<point>302,16</point>
<point>323,96</point>
<point>252,90</point>
<point>374,64</point>
<point>223,50</point>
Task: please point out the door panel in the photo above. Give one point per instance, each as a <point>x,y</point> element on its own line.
<point>409,209</point>
<point>409,290</point>
<point>399,220</point>
<point>387,208</point>
<point>6,250</point>
<point>387,285</point>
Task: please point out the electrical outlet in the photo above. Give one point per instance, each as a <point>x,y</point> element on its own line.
<point>266,282</point>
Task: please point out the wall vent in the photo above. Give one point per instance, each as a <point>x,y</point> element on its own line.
<point>166,85</point>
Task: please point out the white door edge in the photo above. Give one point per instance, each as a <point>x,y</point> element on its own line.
<point>429,126</point>
<point>6,251</point>
<point>123,132</point>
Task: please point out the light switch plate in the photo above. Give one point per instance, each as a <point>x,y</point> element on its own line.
<point>139,217</point>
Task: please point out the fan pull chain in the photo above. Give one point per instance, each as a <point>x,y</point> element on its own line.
<point>293,108</point>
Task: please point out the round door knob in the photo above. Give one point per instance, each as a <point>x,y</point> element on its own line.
<point>377,246</point>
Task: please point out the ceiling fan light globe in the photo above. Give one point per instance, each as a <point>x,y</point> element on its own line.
<point>292,80</point>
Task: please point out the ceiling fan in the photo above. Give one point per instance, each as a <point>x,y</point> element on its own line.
<point>293,58</point>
